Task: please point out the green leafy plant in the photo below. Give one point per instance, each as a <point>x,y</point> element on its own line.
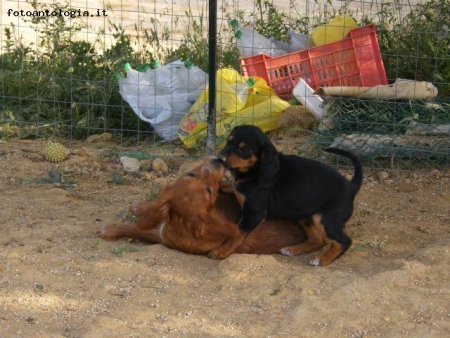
<point>416,45</point>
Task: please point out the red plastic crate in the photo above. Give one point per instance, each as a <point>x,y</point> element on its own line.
<point>353,61</point>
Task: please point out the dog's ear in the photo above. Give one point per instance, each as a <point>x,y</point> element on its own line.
<point>162,204</point>
<point>269,163</point>
<point>157,212</point>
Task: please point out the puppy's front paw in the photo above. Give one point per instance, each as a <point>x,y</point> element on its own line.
<point>315,262</point>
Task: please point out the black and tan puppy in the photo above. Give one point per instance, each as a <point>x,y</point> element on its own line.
<point>270,184</point>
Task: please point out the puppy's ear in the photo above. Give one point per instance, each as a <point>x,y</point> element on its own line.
<point>234,129</point>
<point>269,164</point>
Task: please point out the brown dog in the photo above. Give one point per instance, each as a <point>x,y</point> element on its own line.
<point>193,216</point>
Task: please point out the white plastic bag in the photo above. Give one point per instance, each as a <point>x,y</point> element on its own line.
<point>162,96</point>
<point>298,42</point>
<point>250,42</point>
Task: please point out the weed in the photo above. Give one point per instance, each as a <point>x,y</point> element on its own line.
<point>155,192</point>
<point>376,244</point>
<point>120,251</point>
<point>275,291</point>
<point>96,244</point>
<point>295,130</point>
<point>39,287</point>
<point>117,178</point>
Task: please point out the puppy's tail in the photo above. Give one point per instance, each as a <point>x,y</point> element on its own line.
<point>358,171</point>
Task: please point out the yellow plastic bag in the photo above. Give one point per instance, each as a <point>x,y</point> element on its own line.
<point>335,30</point>
<point>238,101</point>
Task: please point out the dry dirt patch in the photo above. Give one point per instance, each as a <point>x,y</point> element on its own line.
<point>57,279</point>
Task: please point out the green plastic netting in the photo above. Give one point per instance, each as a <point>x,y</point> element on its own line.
<point>380,132</point>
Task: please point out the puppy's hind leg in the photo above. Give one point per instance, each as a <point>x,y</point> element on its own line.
<point>333,234</point>
<point>319,235</point>
<point>314,241</point>
<point>336,250</point>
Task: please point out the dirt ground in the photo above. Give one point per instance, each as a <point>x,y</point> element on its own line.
<point>57,279</point>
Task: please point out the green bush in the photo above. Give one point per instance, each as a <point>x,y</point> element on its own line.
<point>416,45</point>
<point>65,87</point>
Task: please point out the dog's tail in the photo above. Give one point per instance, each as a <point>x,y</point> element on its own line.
<point>358,171</point>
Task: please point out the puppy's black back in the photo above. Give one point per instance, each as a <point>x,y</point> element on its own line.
<point>304,187</point>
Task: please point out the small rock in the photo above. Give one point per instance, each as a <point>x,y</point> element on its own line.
<point>423,229</point>
<point>93,139</point>
<point>348,177</point>
<point>296,116</point>
<point>81,152</point>
<point>180,152</point>
<point>99,138</point>
<point>78,161</point>
<point>149,176</point>
<point>146,164</point>
<point>30,320</point>
<point>35,157</point>
<point>257,309</point>
<point>113,167</point>
<point>382,175</point>
<point>159,165</point>
<point>436,173</point>
<point>130,164</point>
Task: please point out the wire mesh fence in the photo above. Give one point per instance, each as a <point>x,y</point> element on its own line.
<point>382,132</point>
<point>65,67</point>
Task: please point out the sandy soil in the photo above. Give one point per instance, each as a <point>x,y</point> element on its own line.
<point>57,279</point>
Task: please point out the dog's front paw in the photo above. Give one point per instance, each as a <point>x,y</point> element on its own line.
<point>218,254</point>
<point>138,208</point>
<point>227,247</point>
<point>109,232</point>
<point>285,252</point>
